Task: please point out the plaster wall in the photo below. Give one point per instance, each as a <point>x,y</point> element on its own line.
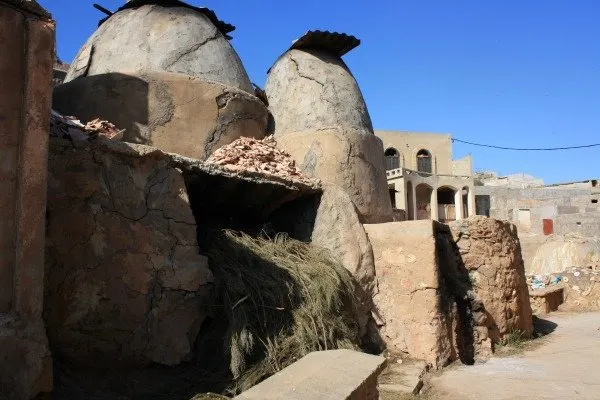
<point>463,166</point>
<point>409,143</point>
<point>585,224</point>
<point>152,38</point>
<point>543,203</point>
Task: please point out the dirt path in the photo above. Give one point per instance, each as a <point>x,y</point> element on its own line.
<point>565,366</point>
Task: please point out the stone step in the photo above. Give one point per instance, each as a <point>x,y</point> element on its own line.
<point>323,375</point>
<point>402,380</point>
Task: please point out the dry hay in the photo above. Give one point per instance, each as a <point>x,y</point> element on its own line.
<point>283,299</point>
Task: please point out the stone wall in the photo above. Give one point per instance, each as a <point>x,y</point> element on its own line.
<point>27,37</point>
<point>490,252</point>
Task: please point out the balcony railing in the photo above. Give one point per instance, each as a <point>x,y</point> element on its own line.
<point>398,172</point>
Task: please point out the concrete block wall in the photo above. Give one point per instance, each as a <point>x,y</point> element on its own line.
<point>585,224</point>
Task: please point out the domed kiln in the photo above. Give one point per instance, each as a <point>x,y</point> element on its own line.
<point>321,119</point>
<point>166,72</point>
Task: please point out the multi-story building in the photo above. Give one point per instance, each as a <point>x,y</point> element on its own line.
<point>423,179</point>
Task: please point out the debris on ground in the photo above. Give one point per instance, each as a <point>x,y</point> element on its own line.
<point>567,277</point>
<point>580,286</point>
<point>68,127</point>
<point>255,155</point>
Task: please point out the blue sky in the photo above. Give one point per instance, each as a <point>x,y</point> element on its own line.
<point>509,73</point>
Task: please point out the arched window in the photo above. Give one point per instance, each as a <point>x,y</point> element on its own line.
<point>424,161</point>
<point>392,159</point>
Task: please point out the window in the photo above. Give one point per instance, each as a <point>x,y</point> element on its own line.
<point>392,159</point>
<point>424,161</point>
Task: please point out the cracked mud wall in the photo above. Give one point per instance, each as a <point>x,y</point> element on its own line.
<point>321,119</point>
<point>152,38</point>
<point>125,280</point>
<point>348,160</point>
<point>449,292</point>
<point>413,311</point>
<point>174,112</point>
<point>311,89</point>
<point>168,77</point>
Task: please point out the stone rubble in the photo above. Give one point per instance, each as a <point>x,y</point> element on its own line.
<point>68,127</point>
<point>260,156</point>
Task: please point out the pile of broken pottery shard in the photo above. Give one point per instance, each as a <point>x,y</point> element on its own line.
<point>261,156</point>
<point>67,127</point>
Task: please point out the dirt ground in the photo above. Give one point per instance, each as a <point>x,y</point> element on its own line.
<point>561,365</point>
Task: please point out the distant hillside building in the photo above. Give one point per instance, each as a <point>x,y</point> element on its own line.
<point>423,179</point>
<point>59,72</point>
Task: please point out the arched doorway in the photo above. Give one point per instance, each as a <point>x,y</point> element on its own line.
<point>446,197</point>
<point>392,159</point>
<point>423,195</point>
<point>410,207</point>
<point>424,161</point>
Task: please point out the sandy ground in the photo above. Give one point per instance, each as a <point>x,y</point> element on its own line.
<point>565,364</point>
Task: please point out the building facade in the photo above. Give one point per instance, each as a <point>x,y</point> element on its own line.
<point>544,209</point>
<point>423,180</point>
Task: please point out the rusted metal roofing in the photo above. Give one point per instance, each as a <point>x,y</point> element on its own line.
<point>222,26</point>
<point>333,42</point>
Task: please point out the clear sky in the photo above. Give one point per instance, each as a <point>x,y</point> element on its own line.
<point>506,72</point>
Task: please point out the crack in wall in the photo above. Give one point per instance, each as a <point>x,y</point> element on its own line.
<point>215,35</point>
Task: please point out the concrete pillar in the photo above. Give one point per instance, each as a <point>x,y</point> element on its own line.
<point>458,204</point>
<point>27,37</point>
<point>471,203</point>
<point>415,209</point>
<point>434,205</point>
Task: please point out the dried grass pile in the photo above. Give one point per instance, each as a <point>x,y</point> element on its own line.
<point>283,299</point>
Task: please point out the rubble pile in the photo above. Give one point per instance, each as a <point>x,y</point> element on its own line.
<point>581,287</point>
<point>261,156</point>
<point>68,127</point>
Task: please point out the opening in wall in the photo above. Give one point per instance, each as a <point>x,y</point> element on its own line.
<point>424,163</point>
<point>392,159</point>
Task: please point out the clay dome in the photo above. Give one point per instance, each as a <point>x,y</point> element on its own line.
<point>309,87</point>
<point>320,118</point>
<point>168,36</point>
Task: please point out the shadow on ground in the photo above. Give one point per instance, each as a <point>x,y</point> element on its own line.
<point>542,327</point>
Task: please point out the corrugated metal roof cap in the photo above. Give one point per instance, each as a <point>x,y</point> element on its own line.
<point>333,42</point>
